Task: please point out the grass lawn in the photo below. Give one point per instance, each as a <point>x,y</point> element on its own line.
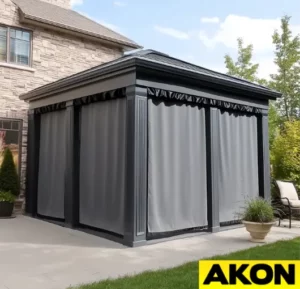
<point>186,276</point>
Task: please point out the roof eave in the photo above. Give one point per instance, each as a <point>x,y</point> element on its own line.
<point>150,64</point>
<point>79,80</point>
<point>29,19</point>
<point>93,76</point>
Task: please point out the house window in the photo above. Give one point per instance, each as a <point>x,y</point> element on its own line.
<point>10,137</point>
<point>15,46</point>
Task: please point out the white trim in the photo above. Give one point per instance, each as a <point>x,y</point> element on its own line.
<point>19,67</point>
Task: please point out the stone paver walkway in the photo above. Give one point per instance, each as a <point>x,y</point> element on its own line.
<point>39,255</point>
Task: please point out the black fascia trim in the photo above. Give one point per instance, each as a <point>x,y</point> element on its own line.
<point>222,83</point>
<point>92,74</point>
<point>75,81</point>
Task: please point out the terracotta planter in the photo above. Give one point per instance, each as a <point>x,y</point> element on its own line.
<point>258,231</point>
<point>6,209</point>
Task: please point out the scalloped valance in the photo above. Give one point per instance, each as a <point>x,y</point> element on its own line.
<point>162,94</point>
<point>155,93</point>
<point>50,108</point>
<point>103,96</point>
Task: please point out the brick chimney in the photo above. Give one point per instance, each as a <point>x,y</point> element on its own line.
<point>61,3</point>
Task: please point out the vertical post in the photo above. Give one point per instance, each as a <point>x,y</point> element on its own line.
<point>136,192</point>
<point>212,158</point>
<point>263,156</point>
<point>33,151</point>
<point>72,166</point>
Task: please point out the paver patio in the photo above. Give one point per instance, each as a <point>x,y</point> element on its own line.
<point>36,254</point>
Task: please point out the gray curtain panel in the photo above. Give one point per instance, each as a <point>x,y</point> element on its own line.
<point>102,165</point>
<point>177,190</point>
<point>51,177</point>
<point>238,170</point>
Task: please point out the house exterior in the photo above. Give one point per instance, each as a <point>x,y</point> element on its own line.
<point>42,41</point>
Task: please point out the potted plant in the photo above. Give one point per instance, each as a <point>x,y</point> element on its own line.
<point>258,218</point>
<point>9,184</point>
<point>7,200</point>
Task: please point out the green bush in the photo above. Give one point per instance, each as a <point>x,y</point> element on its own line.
<point>9,180</point>
<point>285,154</point>
<point>7,197</point>
<point>258,210</point>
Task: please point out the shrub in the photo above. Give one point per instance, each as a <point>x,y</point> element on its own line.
<point>258,210</point>
<point>7,197</point>
<point>286,154</point>
<point>9,180</point>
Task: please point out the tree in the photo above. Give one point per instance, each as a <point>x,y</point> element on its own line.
<point>274,122</point>
<point>9,181</point>
<point>286,153</point>
<point>287,79</point>
<point>243,67</point>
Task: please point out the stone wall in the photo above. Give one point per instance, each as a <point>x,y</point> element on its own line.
<point>61,3</point>
<point>55,55</point>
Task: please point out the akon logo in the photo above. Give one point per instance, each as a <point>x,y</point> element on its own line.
<point>254,274</point>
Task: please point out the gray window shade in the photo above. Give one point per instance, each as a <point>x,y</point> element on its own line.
<point>102,165</point>
<point>238,170</point>
<point>177,190</point>
<point>51,180</point>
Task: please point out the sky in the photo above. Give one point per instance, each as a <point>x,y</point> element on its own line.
<point>197,31</point>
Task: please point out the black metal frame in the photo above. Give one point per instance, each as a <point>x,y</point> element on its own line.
<point>230,223</point>
<point>137,87</point>
<point>156,236</point>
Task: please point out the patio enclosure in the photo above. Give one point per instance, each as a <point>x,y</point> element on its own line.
<point>147,146</point>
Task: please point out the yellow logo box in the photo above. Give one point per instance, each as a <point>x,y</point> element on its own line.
<point>249,274</point>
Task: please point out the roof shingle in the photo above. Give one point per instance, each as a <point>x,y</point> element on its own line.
<point>68,19</point>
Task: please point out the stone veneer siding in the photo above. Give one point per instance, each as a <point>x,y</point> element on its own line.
<point>55,55</point>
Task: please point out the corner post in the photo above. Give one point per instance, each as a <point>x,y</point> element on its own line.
<point>33,154</point>
<point>264,177</point>
<point>71,177</point>
<point>136,192</point>
<point>212,159</point>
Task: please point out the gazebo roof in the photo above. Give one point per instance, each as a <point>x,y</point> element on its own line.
<point>155,60</point>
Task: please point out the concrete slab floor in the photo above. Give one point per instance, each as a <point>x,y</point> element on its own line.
<point>38,255</point>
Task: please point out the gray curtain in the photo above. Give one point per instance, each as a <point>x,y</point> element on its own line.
<point>102,165</point>
<point>238,170</point>
<point>51,177</point>
<point>176,168</point>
